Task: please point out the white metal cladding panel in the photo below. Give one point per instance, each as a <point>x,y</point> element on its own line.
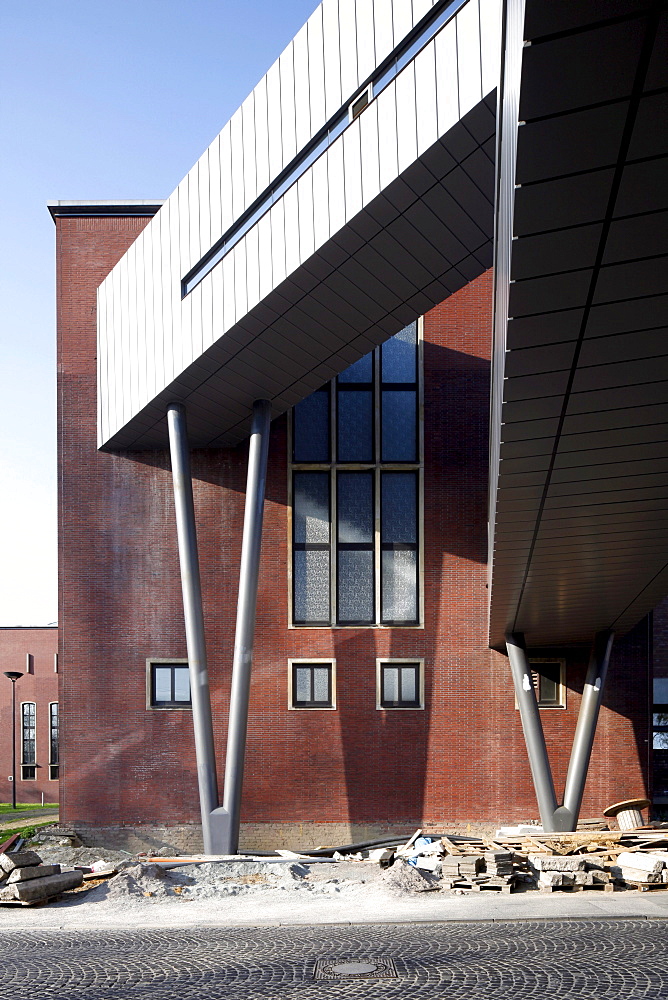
<point>302,88</point>
<point>330,30</point>
<point>299,92</point>
<point>348,48</point>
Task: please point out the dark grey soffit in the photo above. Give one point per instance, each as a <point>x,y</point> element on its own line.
<point>579,512</point>
<point>102,209</point>
<point>428,234</point>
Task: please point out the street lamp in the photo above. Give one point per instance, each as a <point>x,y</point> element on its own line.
<point>13,676</point>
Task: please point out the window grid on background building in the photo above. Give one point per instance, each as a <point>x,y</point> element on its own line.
<point>28,741</point>
<point>356,493</point>
<point>54,747</point>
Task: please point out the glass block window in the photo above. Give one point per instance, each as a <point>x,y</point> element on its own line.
<point>549,681</point>
<point>168,684</point>
<point>311,684</point>
<point>400,684</point>
<point>54,758</point>
<point>28,741</point>
<point>356,493</point>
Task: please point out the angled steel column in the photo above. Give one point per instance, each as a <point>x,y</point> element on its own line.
<point>533,729</point>
<point>245,629</point>
<point>194,622</point>
<point>566,816</point>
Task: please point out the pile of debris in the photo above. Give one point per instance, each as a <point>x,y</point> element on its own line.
<point>25,881</point>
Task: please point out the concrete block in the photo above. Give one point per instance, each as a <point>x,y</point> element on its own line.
<point>24,859</point>
<point>642,862</point>
<point>40,888</point>
<point>37,871</point>
<point>557,863</point>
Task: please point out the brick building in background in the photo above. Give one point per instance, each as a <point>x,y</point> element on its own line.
<point>32,652</point>
<point>354,729</point>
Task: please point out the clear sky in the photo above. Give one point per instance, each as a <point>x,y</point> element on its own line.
<point>99,101</point>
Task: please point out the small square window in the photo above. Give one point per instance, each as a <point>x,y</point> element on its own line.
<point>312,684</point>
<point>400,684</point>
<point>54,772</point>
<point>28,772</point>
<point>549,680</point>
<point>168,684</point>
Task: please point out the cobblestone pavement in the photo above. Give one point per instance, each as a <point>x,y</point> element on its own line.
<point>532,960</point>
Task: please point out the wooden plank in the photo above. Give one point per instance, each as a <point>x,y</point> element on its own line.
<point>7,844</point>
<point>451,848</point>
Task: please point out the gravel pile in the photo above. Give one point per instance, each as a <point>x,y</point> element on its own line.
<point>52,854</point>
<point>401,879</point>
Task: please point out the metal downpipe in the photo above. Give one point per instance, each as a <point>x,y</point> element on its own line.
<point>585,731</point>
<point>533,730</point>
<point>194,624</point>
<point>245,628</point>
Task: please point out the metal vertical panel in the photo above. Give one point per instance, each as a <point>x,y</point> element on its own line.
<point>352,169</point>
<point>182,349</point>
<point>237,164</point>
<point>370,174</point>
<point>214,191</point>
<point>207,313</point>
<point>229,299</point>
<point>194,207</point>
<point>302,88</point>
<point>195,344</point>
<point>203,210</point>
<point>264,255</point>
<point>330,35</point>
<point>490,43</point>
<point>320,202</point>
<point>252,268</point>
<point>406,118</point>
<point>337,194</point>
<point>261,136</point>
<point>148,323</point>
<point>348,49</point>
<point>387,134</point>
<point>240,286</point>
<point>171,279</point>
<point>291,205</point>
<point>278,242</point>
<point>131,395</point>
<point>167,272</point>
<point>288,126</point>
<point>425,98</point>
<point>102,369</point>
<point>316,70</point>
<point>248,137</point>
<point>274,121</point>
<point>116,395</point>
<point>217,282</point>
<point>402,18</point>
<point>383,28</point>
<point>447,87</point>
<point>226,208</point>
<point>366,40</point>
<point>306,229</point>
<point>468,56</point>
<point>158,331</point>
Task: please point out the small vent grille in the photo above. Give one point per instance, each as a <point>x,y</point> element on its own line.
<point>359,104</point>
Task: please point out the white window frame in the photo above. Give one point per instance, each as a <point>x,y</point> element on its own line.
<point>325,661</point>
<point>150,662</point>
<point>390,661</point>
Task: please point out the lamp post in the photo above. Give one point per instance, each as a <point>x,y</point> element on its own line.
<point>13,676</point>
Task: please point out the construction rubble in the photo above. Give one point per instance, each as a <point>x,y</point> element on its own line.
<point>523,860</point>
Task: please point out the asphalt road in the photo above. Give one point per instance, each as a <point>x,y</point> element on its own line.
<point>517,960</point>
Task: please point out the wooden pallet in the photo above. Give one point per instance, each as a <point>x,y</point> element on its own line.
<point>645,886</point>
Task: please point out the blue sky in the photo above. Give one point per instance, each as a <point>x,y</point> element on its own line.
<point>97,101</point>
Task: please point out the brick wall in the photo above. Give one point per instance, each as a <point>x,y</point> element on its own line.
<point>461,759</point>
<point>38,684</point>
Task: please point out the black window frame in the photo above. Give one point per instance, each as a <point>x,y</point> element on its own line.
<point>312,665</point>
<point>311,547</point>
<point>173,666</point>
<point>29,759</point>
<point>418,667</point>
<point>535,663</point>
<point>54,741</point>
<point>355,547</point>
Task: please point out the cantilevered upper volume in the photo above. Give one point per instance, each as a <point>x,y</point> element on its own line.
<point>351,191</point>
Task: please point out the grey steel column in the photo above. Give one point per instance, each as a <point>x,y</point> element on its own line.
<point>533,729</point>
<point>194,622</point>
<point>245,629</point>
<point>583,741</point>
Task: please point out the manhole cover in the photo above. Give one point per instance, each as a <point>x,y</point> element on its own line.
<point>368,968</point>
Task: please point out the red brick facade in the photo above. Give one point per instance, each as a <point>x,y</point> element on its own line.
<point>461,759</point>
<point>31,652</point>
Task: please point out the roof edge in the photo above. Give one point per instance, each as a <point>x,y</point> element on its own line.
<point>99,209</point>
